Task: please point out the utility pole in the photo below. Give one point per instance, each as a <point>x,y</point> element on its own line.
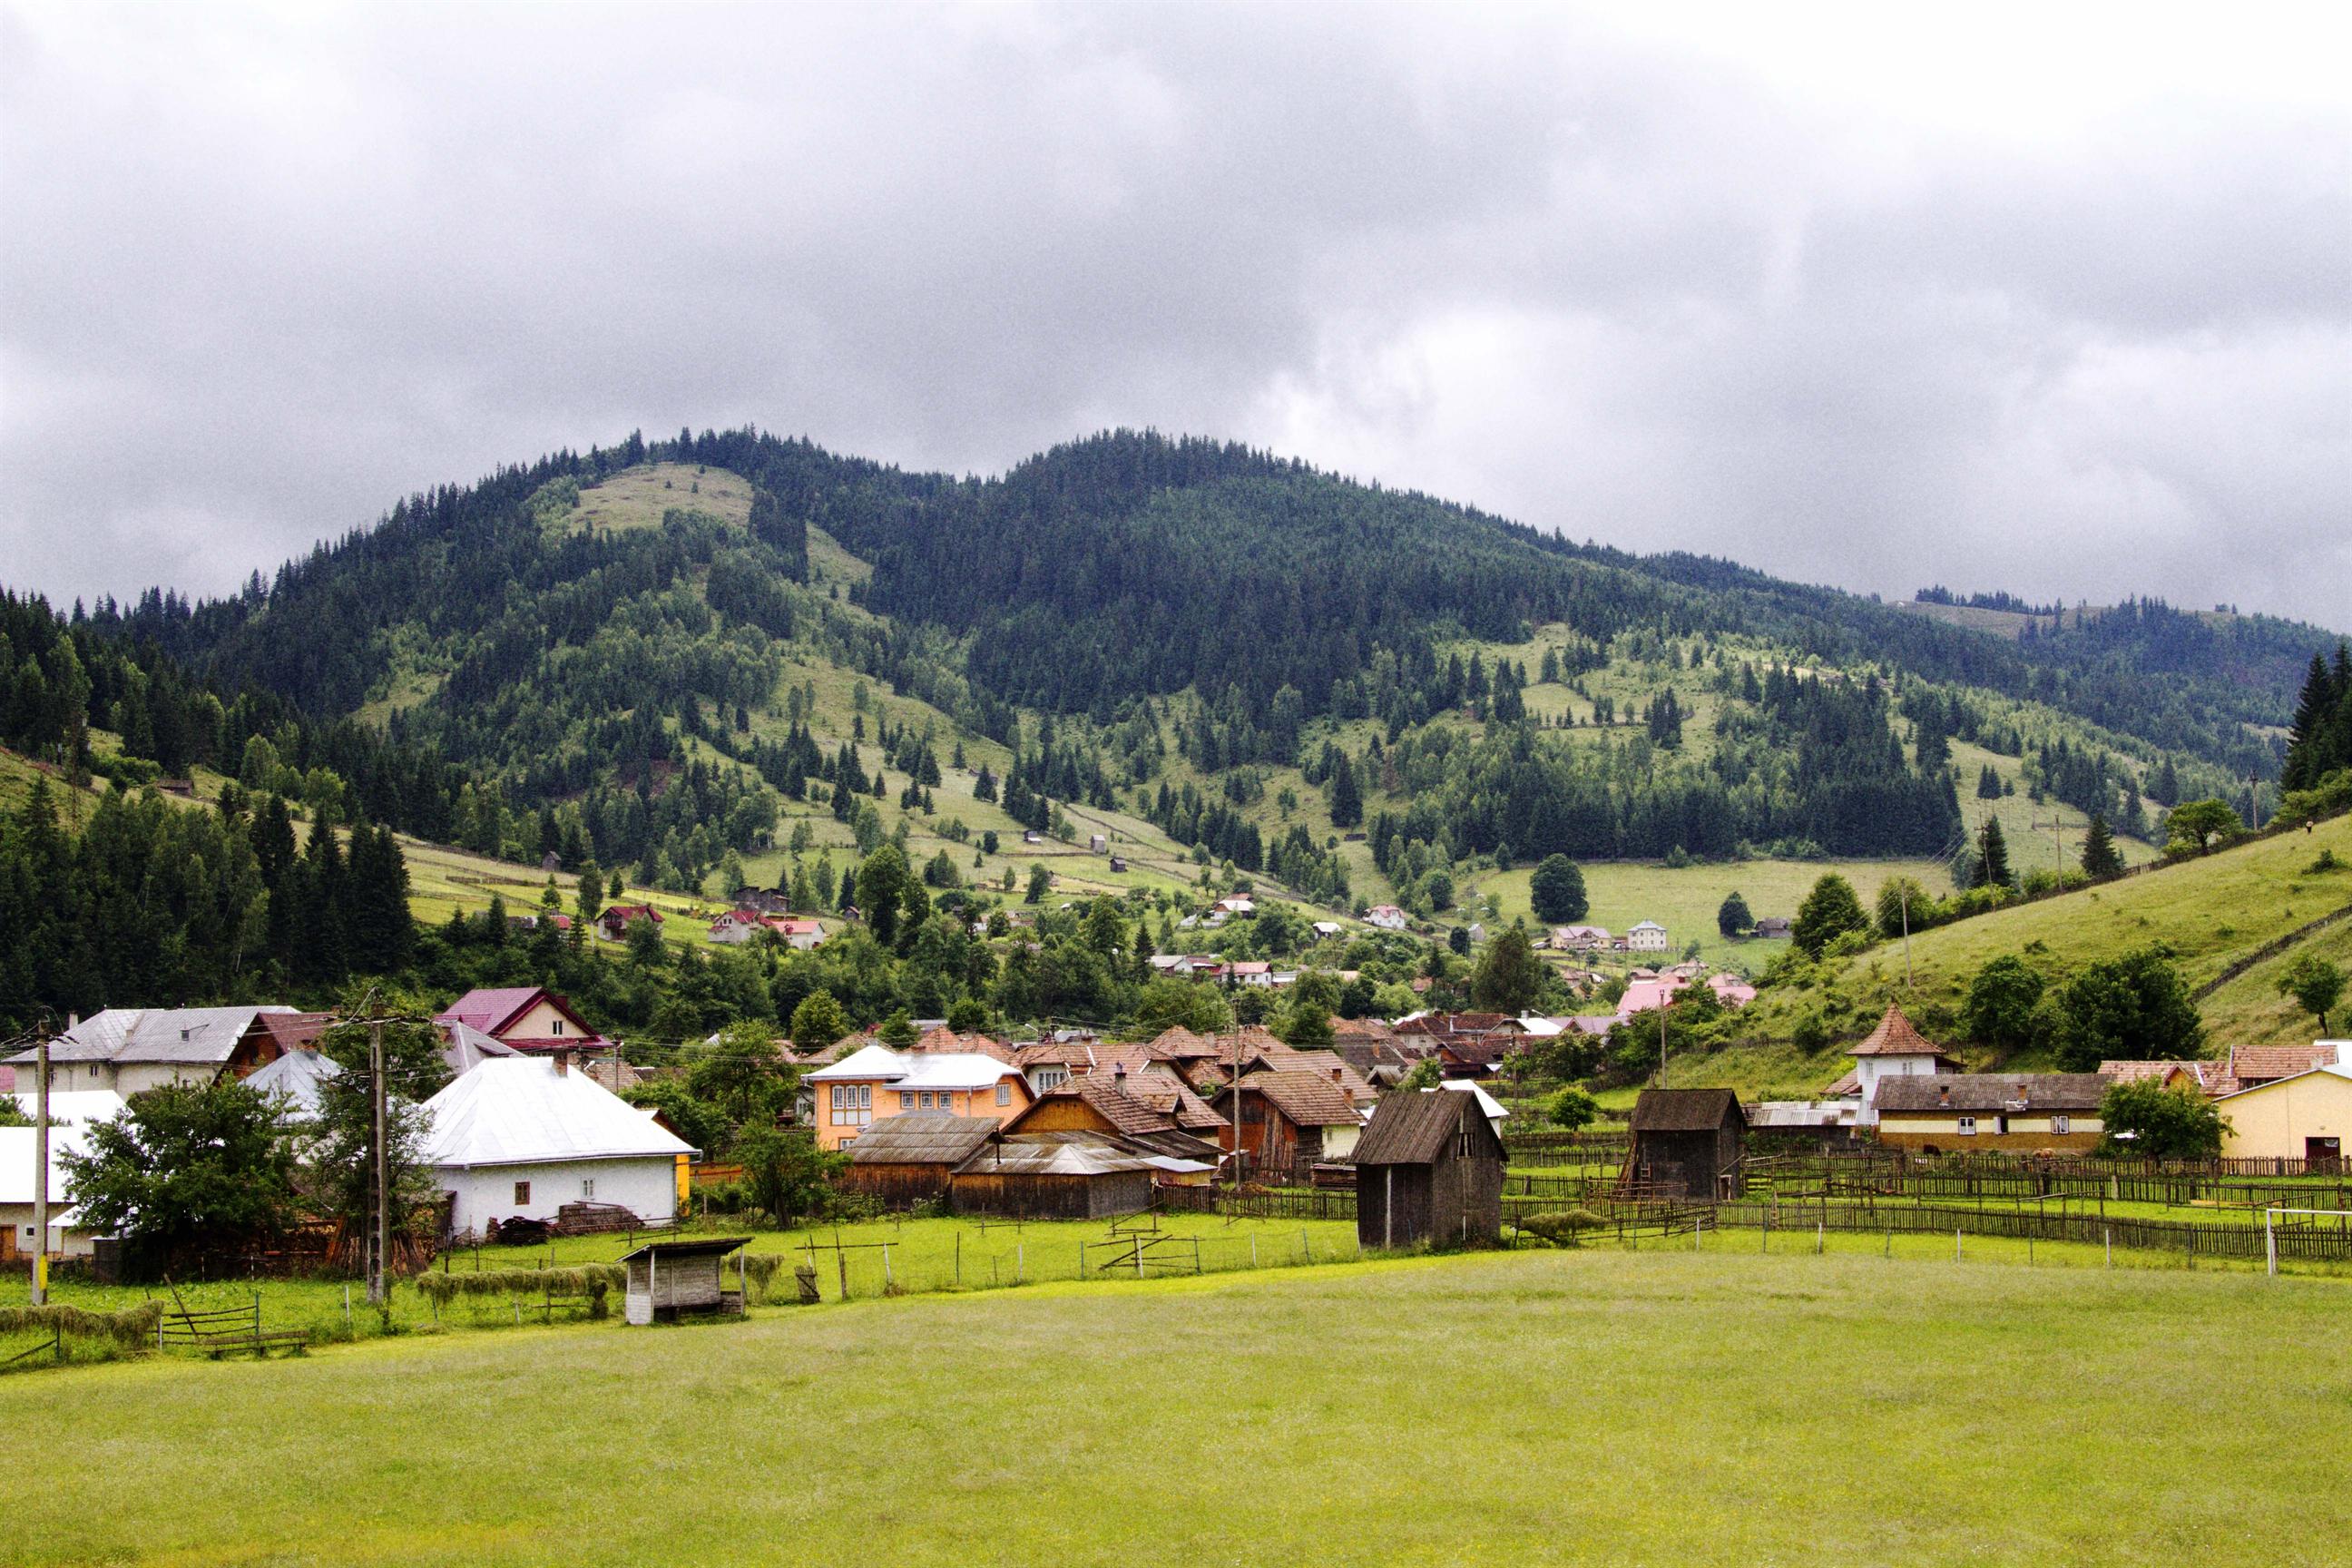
<point>377,1161</point>
<point>41,1168</point>
<point>1665,1000</point>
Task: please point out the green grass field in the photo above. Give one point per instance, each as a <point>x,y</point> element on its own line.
<point>1723,1406</point>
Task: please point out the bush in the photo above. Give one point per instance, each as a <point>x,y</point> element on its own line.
<point>1562,1227</point>
<point>1572,1107</point>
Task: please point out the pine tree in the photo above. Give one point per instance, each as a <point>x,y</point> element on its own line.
<point>2101,859</point>
<point>1992,857</point>
<point>1988,784</point>
<point>1347,800</point>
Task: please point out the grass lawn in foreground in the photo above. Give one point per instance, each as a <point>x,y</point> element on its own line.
<point>1658,1406</point>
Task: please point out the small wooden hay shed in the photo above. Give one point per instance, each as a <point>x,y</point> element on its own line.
<point>1688,1143</point>
<point>670,1280</point>
<point>1052,1176</point>
<point>1429,1168</point>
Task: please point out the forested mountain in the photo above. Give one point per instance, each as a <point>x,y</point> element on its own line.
<point>543,670</point>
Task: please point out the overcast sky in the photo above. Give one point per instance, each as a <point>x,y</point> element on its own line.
<point>2056,300</point>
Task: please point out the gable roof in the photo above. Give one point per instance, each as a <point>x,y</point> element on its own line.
<point>917,1069</point>
<point>1686,1109</point>
<point>520,1109</point>
<point>465,1048</point>
<point>1896,1035</point>
<point>1305,1098</point>
<point>2328,1069</point>
<point>2260,1064</point>
<point>295,1077</point>
<point>190,1035</point>
<point>73,1106</point>
<point>922,1139</point>
<point>1110,1101</point>
<point>1410,1129</point>
<point>1065,1154</point>
<point>1991,1091</point>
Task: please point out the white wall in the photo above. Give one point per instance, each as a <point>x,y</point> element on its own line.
<point>1868,1070</point>
<point>647,1184</point>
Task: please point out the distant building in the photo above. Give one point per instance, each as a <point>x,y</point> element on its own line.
<point>522,1137</point>
<point>523,1019</point>
<point>614,923</point>
<point>126,1049</point>
<point>875,1082</point>
<point>1645,936</point>
<point>1775,927</point>
<point>2304,1116</point>
<point>1386,916</point>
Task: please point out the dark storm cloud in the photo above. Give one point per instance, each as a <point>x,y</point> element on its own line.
<point>1931,309</point>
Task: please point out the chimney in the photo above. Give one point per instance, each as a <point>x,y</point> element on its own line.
<point>1118,1075</point>
<point>562,1063</point>
<point>1335,1075</point>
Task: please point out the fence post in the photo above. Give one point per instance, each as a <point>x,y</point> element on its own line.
<point>2270,1241</point>
<point>2108,1231</point>
<point>1955,1243</point>
<point>1020,1259</point>
<point>1821,1235</point>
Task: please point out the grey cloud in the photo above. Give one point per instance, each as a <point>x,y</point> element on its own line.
<point>259,274</point>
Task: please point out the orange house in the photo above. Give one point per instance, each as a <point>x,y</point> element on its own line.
<point>875,1082</point>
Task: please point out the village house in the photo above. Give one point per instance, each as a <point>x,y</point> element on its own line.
<point>525,1136</point>
<point>1645,936</point>
<point>1289,1118</point>
<point>1328,929</point>
<point>2304,1116</point>
<point>1429,1168</point>
<point>1580,939</point>
<point>1776,927</point>
<point>523,1019</point>
<point>295,1079</point>
<point>2020,1112</point>
<point>1386,916</point>
<point>126,1049</point>
<point>1148,1103</point>
<point>1055,1176</point>
<point>738,926</point>
<point>1688,1143</point>
<point>764,900</point>
<point>875,1082</point>
<point>1896,1049</point>
<point>612,924</point>
<point>1097,844</point>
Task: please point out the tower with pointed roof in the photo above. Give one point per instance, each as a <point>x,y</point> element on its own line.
<point>1895,1050</point>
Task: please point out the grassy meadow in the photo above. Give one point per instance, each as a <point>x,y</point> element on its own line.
<point>1715,1406</point>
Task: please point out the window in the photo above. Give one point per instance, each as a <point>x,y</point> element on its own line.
<point>587,1186</point>
<point>1052,1078</point>
<point>907,1102</point>
<point>556,1027</point>
<point>1003,1092</point>
<point>2062,1125</point>
<point>1968,1126</point>
<point>522,1194</point>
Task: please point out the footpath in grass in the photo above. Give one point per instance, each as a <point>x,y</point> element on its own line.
<point>1698,1408</point>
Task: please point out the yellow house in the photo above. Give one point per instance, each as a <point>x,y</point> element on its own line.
<point>877,1082</point>
<point>2306,1117</point>
<point>2019,1113</point>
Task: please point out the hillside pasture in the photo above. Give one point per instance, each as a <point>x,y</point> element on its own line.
<point>636,498</point>
<point>1704,1407</point>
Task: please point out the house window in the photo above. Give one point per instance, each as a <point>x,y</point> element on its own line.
<point>2062,1125</point>
<point>1003,1094</point>
<point>556,1027</point>
<point>908,1101</point>
<point>587,1186</point>
<point>1968,1126</point>
<point>1052,1078</point>
<point>522,1194</point>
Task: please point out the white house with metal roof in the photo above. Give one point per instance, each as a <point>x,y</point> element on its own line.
<point>521,1136</point>
<point>17,1145</point>
<point>126,1049</point>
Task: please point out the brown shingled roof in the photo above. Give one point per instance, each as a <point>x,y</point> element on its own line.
<point>2251,1065</point>
<point>1685,1109</point>
<point>1305,1098</point>
<point>1408,1129</point>
<point>1896,1035</point>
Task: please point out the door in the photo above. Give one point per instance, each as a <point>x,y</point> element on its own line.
<point>2322,1153</point>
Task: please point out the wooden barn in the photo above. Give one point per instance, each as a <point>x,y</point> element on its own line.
<point>1054,1175</point>
<point>907,1159</point>
<point>668,1279</point>
<point>1429,1169</point>
<point>1688,1143</point>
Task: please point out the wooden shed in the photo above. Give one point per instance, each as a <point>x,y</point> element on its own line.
<point>670,1280</point>
<point>907,1159</point>
<point>1429,1168</point>
<point>1688,1143</point>
<point>1055,1175</point>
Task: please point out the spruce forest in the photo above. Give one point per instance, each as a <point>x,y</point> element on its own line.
<point>633,661</point>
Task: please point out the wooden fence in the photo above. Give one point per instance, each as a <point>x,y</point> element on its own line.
<point>2308,1240</point>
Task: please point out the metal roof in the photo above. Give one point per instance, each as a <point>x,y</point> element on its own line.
<point>196,1035</point>
<point>700,1246</point>
<point>919,1069</point>
<point>295,1077</point>
<point>73,1106</point>
<point>1056,1155</point>
<point>16,1162</point>
<point>520,1111</point>
<point>920,1140</point>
